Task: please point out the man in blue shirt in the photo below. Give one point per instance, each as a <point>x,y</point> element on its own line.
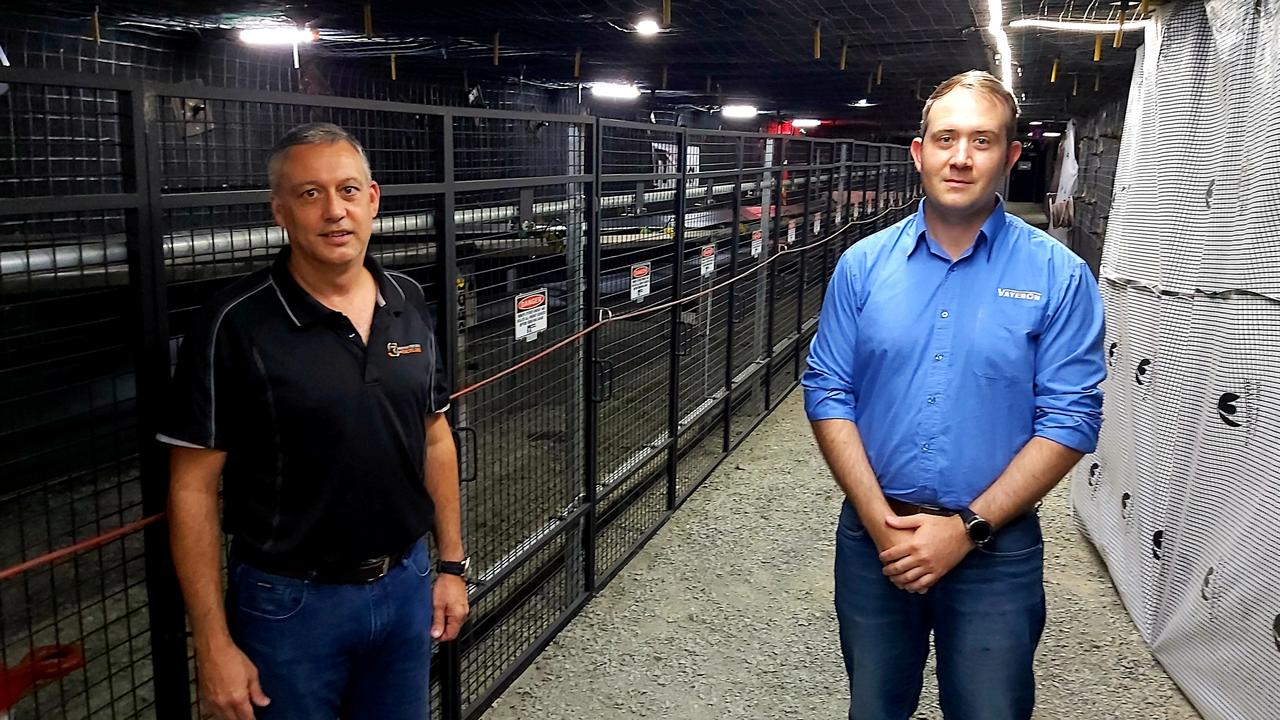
<point>953,381</point>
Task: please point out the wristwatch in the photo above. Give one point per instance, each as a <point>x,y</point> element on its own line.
<point>447,567</point>
<point>976,527</point>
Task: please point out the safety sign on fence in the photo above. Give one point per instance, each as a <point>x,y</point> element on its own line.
<point>839,215</point>
<point>640,274</point>
<point>708,260</point>
<point>531,314</point>
<point>757,243</point>
<point>791,232</point>
<point>817,223</point>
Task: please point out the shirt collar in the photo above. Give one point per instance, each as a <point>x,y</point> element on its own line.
<point>988,234</point>
<point>304,309</point>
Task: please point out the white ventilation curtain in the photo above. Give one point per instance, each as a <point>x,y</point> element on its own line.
<point>1182,498</point>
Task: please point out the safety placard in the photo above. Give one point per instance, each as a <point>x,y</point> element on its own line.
<point>817,223</point>
<point>791,232</point>
<point>757,243</point>
<point>708,257</point>
<point>640,273</point>
<point>531,314</point>
<point>839,215</point>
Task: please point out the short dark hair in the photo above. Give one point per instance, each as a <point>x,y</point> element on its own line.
<point>312,134</point>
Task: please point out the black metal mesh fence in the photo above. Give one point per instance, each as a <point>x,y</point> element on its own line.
<point>707,274</point>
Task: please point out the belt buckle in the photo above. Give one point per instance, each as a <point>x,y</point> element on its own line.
<point>377,567</point>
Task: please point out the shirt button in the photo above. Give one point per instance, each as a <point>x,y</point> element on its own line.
<point>946,314</point>
<point>936,358</point>
<point>925,447</point>
<point>933,399</point>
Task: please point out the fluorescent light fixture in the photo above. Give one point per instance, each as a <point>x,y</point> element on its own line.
<point>739,112</point>
<point>647,26</point>
<point>863,104</point>
<point>1035,122</point>
<point>276,36</point>
<point>1051,134</point>
<point>1004,53</point>
<point>1079,25</point>
<point>615,91</point>
<point>805,123</point>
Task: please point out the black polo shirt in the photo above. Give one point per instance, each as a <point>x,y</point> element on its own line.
<point>325,436</point>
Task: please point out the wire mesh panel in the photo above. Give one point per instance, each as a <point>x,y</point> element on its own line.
<point>491,147</point>
<point>61,141</point>
<point>68,469</point>
<point>222,144</point>
<point>74,635</point>
<point>634,353</point>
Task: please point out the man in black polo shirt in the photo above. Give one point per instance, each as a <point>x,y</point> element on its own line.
<point>315,390</point>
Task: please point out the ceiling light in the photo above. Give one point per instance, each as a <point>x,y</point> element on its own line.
<point>805,123</point>
<point>647,26</point>
<point>863,104</point>
<point>1080,26</point>
<point>1051,134</point>
<point>276,36</point>
<point>1035,122</point>
<point>1004,53</point>
<point>615,91</point>
<point>739,112</point>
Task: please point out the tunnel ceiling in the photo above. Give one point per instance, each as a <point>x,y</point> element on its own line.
<point>714,51</point>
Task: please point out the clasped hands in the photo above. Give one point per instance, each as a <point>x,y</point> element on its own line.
<point>917,550</point>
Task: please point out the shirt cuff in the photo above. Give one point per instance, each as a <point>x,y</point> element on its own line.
<point>178,443</point>
<point>830,405</point>
<point>1073,434</point>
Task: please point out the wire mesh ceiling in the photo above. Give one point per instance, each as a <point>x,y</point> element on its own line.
<point>793,57</point>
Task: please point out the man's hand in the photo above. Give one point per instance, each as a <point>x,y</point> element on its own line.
<point>937,544</point>
<point>449,608</point>
<point>229,683</point>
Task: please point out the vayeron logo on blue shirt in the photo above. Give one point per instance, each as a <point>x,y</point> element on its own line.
<point>949,367</point>
<point>1018,294</point>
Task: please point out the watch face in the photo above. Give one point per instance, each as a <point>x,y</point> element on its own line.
<point>979,531</point>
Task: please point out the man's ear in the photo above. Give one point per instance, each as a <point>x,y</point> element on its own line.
<point>375,198</point>
<point>917,146</point>
<point>1015,152</point>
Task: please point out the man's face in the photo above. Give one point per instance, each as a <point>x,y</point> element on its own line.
<point>965,155</point>
<point>326,202</point>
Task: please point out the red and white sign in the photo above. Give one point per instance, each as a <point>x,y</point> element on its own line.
<point>757,243</point>
<point>791,232</point>
<point>640,276</point>
<point>708,258</point>
<point>531,314</point>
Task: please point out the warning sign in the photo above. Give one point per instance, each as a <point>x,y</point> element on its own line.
<point>839,215</point>
<point>817,223</point>
<point>640,273</point>
<point>791,232</point>
<point>531,314</point>
<point>708,257</point>
<point>757,243</point>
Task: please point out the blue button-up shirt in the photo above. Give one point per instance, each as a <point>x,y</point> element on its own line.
<point>949,368</point>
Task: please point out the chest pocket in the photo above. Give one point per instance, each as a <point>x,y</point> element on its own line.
<point>1006,331</point>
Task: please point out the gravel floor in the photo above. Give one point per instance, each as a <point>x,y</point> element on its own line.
<point>728,613</point>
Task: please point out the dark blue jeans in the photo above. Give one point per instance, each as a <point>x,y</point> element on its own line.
<point>987,615</point>
<point>359,652</point>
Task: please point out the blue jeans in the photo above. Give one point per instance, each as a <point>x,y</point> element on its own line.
<point>987,615</point>
<point>358,652</point>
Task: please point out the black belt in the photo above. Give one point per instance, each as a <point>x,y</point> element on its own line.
<point>906,508</point>
<point>356,573</point>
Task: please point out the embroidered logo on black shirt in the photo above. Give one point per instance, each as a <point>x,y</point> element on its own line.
<point>395,350</point>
